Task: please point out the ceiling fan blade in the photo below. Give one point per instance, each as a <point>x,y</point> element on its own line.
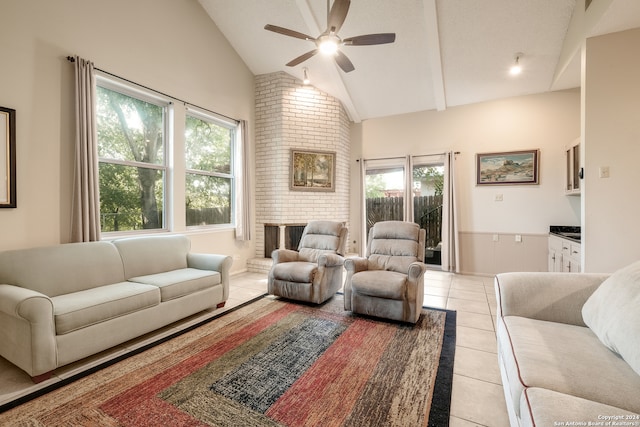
<point>337,15</point>
<point>288,32</point>
<point>344,62</point>
<point>370,39</point>
<point>301,58</point>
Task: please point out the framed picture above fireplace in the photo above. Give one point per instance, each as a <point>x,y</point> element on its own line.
<point>312,170</point>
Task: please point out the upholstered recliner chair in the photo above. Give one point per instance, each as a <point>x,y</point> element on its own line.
<point>389,282</point>
<point>313,273</point>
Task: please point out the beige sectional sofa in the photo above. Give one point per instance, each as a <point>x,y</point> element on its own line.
<point>569,347</point>
<point>62,303</point>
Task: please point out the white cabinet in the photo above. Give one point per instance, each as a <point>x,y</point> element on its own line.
<point>555,253</point>
<point>564,255</point>
<point>570,256</point>
<point>573,169</point>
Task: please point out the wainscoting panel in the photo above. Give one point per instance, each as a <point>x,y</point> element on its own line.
<point>481,255</point>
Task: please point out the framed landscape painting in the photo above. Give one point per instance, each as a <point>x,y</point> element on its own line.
<point>7,158</point>
<point>514,167</point>
<point>312,170</point>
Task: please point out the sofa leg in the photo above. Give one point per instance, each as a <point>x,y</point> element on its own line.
<point>221,304</point>
<point>42,377</point>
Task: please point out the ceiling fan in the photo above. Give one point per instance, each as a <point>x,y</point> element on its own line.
<point>329,42</point>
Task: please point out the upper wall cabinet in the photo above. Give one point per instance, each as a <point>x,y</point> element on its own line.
<point>573,169</point>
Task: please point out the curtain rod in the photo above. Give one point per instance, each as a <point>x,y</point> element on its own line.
<point>72,59</point>
<point>404,157</point>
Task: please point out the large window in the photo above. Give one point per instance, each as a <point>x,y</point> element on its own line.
<point>132,131</point>
<point>209,147</point>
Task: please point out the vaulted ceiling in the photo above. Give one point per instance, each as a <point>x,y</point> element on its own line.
<point>446,53</point>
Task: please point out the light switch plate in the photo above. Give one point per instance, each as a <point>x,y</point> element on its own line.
<point>604,171</point>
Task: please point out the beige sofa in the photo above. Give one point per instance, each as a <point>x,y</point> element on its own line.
<point>569,347</point>
<point>62,303</point>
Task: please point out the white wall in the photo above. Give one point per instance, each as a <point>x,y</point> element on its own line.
<point>547,122</point>
<point>611,231</point>
<point>175,49</point>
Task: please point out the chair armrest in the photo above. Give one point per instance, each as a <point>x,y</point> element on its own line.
<point>330,260</point>
<point>356,264</point>
<point>284,255</point>
<point>416,270</point>
<point>554,297</point>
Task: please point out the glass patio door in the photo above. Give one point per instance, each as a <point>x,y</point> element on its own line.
<point>428,196</point>
<point>384,191</point>
<point>391,194</point>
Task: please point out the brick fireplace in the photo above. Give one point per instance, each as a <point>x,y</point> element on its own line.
<point>290,115</point>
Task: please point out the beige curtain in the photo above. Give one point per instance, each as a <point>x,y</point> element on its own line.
<point>450,245</point>
<point>243,200</point>
<point>85,210</point>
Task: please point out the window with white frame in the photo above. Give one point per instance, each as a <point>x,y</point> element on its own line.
<point>209,181</point>
<point>132,150</point>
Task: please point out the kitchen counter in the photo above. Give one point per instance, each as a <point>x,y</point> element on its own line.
<point>568,232</point>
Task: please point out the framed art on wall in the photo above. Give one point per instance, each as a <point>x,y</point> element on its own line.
<point>7,158</point>
<point>312,170</point>
<point>513,167</point>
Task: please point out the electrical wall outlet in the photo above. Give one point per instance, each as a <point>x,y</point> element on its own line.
<point>518,238</point>
<point>499,197</point>
<point>496,238</point>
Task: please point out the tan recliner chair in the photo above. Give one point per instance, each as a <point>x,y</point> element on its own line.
<point>389,282</point>
<point>313,273</point>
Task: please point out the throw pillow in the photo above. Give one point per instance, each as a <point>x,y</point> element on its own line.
<point>612,312</point>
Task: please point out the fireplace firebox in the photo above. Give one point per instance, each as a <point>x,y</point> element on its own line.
<point>282,236</point>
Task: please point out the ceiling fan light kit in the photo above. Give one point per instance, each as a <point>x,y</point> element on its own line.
<point>329,42</point>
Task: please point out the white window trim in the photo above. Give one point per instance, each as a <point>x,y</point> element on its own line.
<point>233,127</point>
<point>146,95</point>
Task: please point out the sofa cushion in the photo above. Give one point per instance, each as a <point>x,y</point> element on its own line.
<point>152,254</point>
<point>296,271</point>
<point>84,308</point>
<point>612,312</point>
<point>62,269</point>
<point>178,283</point>
<point>381,284</point>
<point>542,407</point>
<point>564,358</point>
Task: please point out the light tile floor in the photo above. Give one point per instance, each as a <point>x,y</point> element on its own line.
<point>477,397</point>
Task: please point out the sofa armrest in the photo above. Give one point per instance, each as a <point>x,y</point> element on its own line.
<point>213,262</point>
<point>284,255</point>
<point>554,297</point>
<point>25,303</point>
<point>27,330</point>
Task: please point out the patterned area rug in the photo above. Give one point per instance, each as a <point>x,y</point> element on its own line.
<point>270,363</point>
